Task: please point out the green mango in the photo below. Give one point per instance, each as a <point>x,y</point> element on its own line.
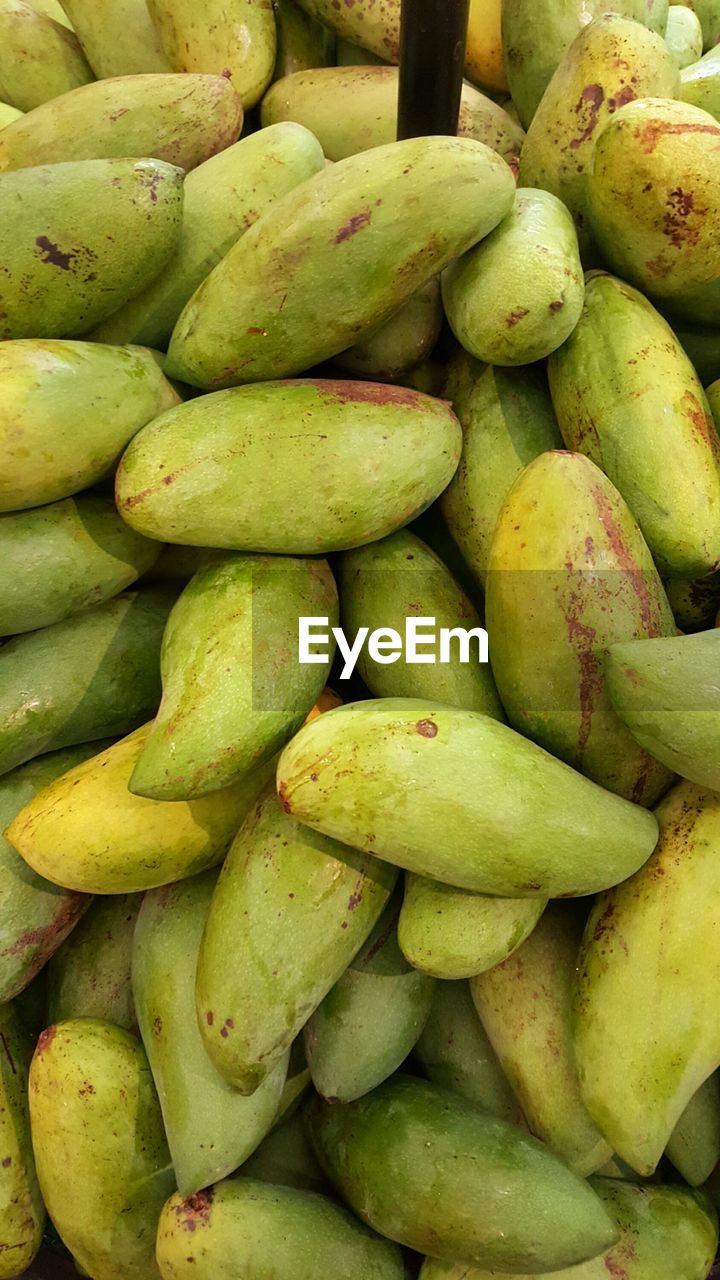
<point>22,1213</point>
<point>361,237</point>
<point>86,830</point>
<point>307,904</point>
<point>700,81</point>
<point>118,37</point>
<point>89,977</point>
<point>368,457</point>
<point>451,933</point>
<point>372,27</point>
<point>431,1170</point>
<point>702,345</point>
<point>297,1083</point>
<point>659,155</point>
<point>52,9</point>
<point>694,603</point>
<point>387,582</point>
<point>694,1147</point>
<point>8,114</point>
<point>457,796</point>
<point>100,1149</point>
<point>286,1157</point>
<point>211,1128</point>
<point>507,420</point>
<point>302,42</point>
<point>708,11</point>
<point>402,342</point>
<point>455,1053</point>
<point>503,312</point>
<point>666,1233</point>
<point>668,694</point>
<point>684,39</point>
<point>180,119</point>
<point>61,559</point>
<point>610,63</point>
<point>232,38</point>
<point>39,58</point>
<point>63,272</point>
<point>369,1022</point>
<point>351,109</point>
<point>645,1033</point>
<point>247,1228</point>
<point>223,197</point>
<point>67,410</point>
<point>620,373</point>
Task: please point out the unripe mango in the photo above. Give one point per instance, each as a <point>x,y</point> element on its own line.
<point>39,58</point>
<point>700,83</point>
<point>694,1147</point>
<point>89,977</point>
<point>22,1212</point>
<point>286,1158</point>
<point>8,114</point>
<point>401,343</point>
<point>232,38</point>
<point>684,39</point>
<point>302,42</point>
<point>372,27</point>
<point>118,37</point>
<point>694,602</point>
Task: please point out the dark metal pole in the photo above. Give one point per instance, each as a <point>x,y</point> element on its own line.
<point>433,34</point>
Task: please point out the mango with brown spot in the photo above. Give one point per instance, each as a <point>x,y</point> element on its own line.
<point>231,38</point>
<point>39,58</point>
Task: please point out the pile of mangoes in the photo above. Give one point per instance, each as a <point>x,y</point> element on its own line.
<point>419,978</point>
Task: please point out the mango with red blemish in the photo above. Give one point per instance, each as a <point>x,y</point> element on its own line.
<point>89,976</point>
<point>626,395</point>
<point>39,58</point>
<point>22,1214</point>
<point>232,38</point>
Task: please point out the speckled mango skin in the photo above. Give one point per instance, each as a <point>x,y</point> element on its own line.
<point>302,42</point>
<point>401,343</point>
<point>89,976</point>
<point>459,797</point>
<point>181,119</point>
<point>100,1149</point>
<point>307,904</point>
<point>694,1147</point>
<point>180,479</point>
<point>233,38</point>
<point>231,1230</point>
<point>684,37</point>
<point>374,27</point>
<point>665,243</point>
<point>22,1213</point>
<point>700,83</point>
<point>118,37</point>
<point>336,257</point>
<point>570,574</point>
<point>39,58</point>
<point>644,1031</point>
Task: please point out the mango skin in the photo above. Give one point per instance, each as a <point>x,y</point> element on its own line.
<point>378,226</point>
<point>118,37</point>
<point>8,114</point>
<point>644,1037</point>
<point>179,480</point>
<point>233,38</point>
<point>431,1170</point>
<point>401,343</point>
<point>700,83</point>
<point>694,1147</point>
<point>668,694</point>
<point>302,42</point>
<point>684,39</point>
<point>239,1226</point>
<point>181,119</point>
<point>307,905</point>
<point>100,1149</point>
<point>501,311</point>
<point>673,257</point>
<point>708,11</point>
<point>88,832</point>
<point>374,29</point>
<point>620,373</point>
<point>694,602</point>
<point>89,976</point>
<point>67,410</point>
<point>484,52</point>
<point>39,58</point>
<point>223,197</point>
<point>22,1213</point>
<point>286,1158</point>
<point>459,797</point>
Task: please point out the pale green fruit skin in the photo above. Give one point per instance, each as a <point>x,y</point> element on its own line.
<point>100,1149</point>
<point>620,373</point>
<point>694,1147</point>
<point>684,38</point>
<point>286,1158</point>
<point>374,28</point>
<point>87,830</point>
<point>302,42</point>
<point>8,114</point>
<point>457,796</point>
<point>708,11</point>
<point>62,273</point>
<point>53,9</point>
<point>39,58</point>
<point>67,411</point>
<point>240,1226</point>
<point>700,82</point>
<point>401,343</point>
<point>223,197</point>
<point>22,1213</point>
<point>220,36</point>
<point>431,1170</point>
<point>117,36</point>
<point>179,480</point>
<point>89,976</point>
<point>518,295</point>
<point>307,905</point>
<point>180,119</point>
<point>645,1038</point>
<point>610,63</point>
<point>673,258</point>
<point>669,697</point>
<point>451,933</point>
<point>211,1128</point>
<point>336,257</point>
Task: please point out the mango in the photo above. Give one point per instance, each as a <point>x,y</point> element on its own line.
<point>361,237</point>
<point>484,52</point>
<point>63,272</point>
<point>459,797</point>
<point>39,58</point>
<point>708,11</point>
<point>177,565</point>
<point>684,39</point>
<point>179,481</point>
<point>301,41</point>
<point>22,1213</point>
<point>694,1147</point>
<point>233,38</point>
<point>223,197</point>
<point>286,1157</point>
<point>668,694</point>
<point>372,27</point>
<point>67,410</point>
<point>88,832</point>
<point>499,310</point>
<point>118,37</point>
<point>8,114</point>
<point>89,977</point>
<point>307,904</point>
<point>181,119</point>
<point>645,1036</point>
<point>656,156</point>
<point>52,9</point>
<point>101,1155</point>
<point>694,602</point>
<point>700,81</point>
<point>401,343</point>
<point>433,1171</point>
<point>245,1228</point>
